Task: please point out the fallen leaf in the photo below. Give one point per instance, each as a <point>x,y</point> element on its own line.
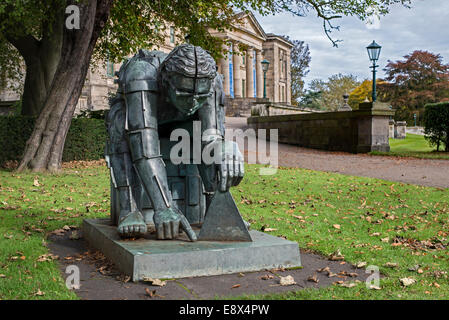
<point>36,182</point>
<point>267,277</point>
<point>150,293</point>
<point>287,281</point>
<point>313,278</point>
<point>374,287</point>
<point>414,268</point>
<point>361,264</point>
<point>47,257</point>
<point>155,282</point>
<point>337,256</point>
<point>325,269</point>
<point>347,285</point>
<point>337,226</point>
<point>235,286</point>
<point>407,281</point>
<point>39,293</point>
<point>391,265</point>
<point>269,229</point>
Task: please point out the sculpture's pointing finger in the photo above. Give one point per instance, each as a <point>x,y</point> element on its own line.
<point>167,230</point>
<point>174,228</point>
<point>185,225</point>
<point>160,231</point>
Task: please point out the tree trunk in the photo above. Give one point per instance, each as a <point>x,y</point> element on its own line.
<point>44,148</point>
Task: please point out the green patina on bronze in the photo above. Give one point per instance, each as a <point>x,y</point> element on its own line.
<point>157,94</point>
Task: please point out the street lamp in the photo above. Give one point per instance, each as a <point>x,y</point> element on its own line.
<point>374,53</point>
<point>265,65</point>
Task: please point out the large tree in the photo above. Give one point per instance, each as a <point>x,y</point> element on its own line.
<point>419,79</point>
<point>300,61</point>
<point>57,58</point>
<point>332,90</point>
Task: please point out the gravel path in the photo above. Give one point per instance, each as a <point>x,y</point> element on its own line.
<point>425,172</point>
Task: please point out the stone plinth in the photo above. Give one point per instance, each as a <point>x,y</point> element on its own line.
<point>148,257</point>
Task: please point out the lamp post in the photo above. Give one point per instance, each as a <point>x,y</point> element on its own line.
<point>265,65</point>
<point>374,53</point>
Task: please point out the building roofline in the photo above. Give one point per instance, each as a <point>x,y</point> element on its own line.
<point>274,37</point>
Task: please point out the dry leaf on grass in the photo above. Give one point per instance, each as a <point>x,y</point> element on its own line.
<point>391,265</point>
<point>361,264</point>
<point>39,293</point>
<point>407,281</point>
<point>47,257</point>
<point>337,256</point>
<point>287,281</point>
<point>347,284</point>
<point>374,287</point>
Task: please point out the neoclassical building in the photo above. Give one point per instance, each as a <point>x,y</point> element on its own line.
<point>247,45</point>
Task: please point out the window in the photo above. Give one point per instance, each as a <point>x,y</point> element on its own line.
<point>243,88</point>
<point>243,59</point>
<point>109,68</point>
<point>172,35</point>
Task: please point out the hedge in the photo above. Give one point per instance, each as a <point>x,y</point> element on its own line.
<point>436,124</point>
<point>85,139</point>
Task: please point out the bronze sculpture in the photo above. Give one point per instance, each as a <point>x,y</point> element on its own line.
<point>159,93</point>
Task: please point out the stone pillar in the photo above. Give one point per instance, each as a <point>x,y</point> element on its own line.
<point>249,73</point>
<point>288,85</point>
<point>391,129</point>
<point>400,129</point>
<point>237,62</point>
<point>224,65</point>
<point>259,74</point>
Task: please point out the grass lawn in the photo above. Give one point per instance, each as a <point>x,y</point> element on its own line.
<point>367,220</point>
<point>413,145</point>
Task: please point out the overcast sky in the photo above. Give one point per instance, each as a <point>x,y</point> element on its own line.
<point>423,27</point>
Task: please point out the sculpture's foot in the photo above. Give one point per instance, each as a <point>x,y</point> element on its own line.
<point>132,224</point>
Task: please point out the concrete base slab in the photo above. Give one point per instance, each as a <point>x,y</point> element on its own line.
<point>148,257</point>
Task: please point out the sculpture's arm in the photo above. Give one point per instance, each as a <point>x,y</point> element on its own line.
<point>140,90</point>
<point>229,163</point>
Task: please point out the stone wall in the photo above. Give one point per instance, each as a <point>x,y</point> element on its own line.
<point>238,107</point>
<point>274,109</point>
<point>358,131</point>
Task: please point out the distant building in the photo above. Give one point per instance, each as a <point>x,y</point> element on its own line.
<point>242,71</point>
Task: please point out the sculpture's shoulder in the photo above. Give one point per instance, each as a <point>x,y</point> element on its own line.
<point>141,71</point>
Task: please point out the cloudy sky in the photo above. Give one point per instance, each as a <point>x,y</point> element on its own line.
<point>424,27</point>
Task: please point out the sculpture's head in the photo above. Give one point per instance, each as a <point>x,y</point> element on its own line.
<point>187,75</point>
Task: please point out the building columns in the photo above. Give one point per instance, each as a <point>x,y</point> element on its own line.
<point>259,74</point>
<point>237,62</point>
<point>249,73</point>
<point>224,65</point>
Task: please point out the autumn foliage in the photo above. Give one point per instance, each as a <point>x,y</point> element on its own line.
<point>412,83</point>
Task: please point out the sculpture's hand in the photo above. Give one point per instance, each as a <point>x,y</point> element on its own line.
<point>168,222</point>
<point>232,168</point>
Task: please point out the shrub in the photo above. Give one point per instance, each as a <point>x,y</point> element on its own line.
<point>85,139</point>
<point>436,123</point>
